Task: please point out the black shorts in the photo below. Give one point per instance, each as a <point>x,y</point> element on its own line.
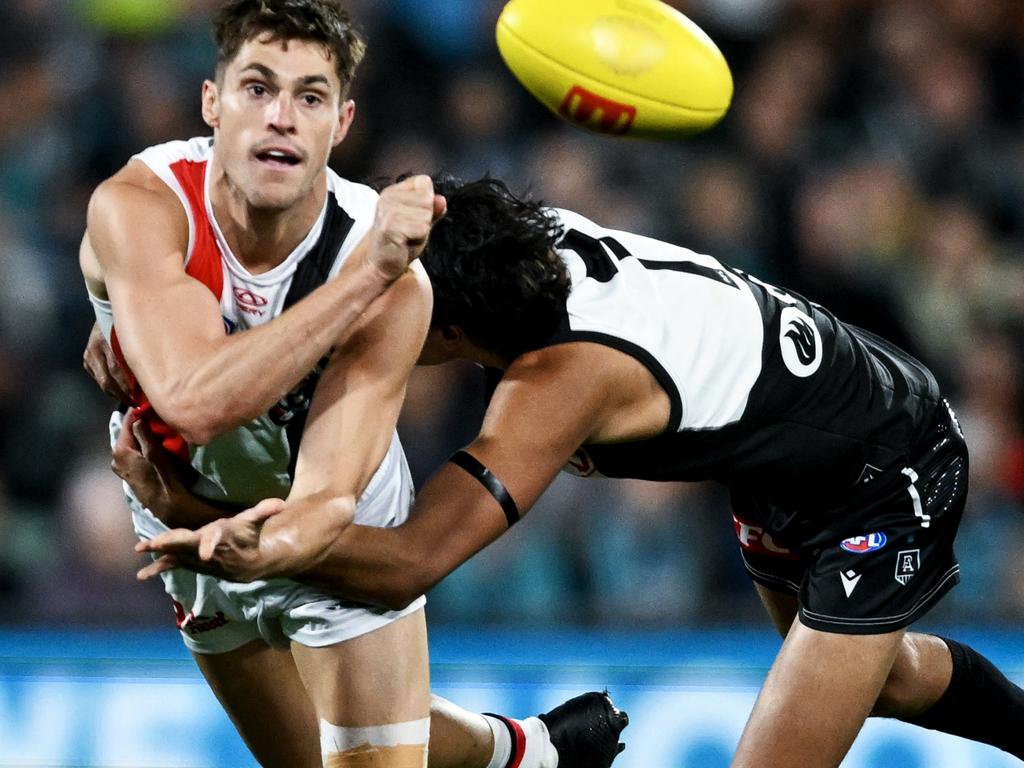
<point>880,565</point>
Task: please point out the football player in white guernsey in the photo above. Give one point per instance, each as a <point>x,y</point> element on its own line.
<point>622,355</point>
<point>252,232</point>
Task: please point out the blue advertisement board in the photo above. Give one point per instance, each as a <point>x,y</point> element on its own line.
<point>135,700</point>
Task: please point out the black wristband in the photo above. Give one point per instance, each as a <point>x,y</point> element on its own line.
<point>489,481</point>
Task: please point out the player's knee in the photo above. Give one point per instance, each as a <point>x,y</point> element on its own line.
<point>397,745</point>
<point>901,695</point>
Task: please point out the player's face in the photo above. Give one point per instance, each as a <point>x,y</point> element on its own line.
<point>276,115</point>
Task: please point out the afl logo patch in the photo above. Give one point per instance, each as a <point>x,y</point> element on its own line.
<point>800,342</point>
<point>862,544</point>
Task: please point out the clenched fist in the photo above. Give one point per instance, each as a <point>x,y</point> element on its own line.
<point>406,212</point>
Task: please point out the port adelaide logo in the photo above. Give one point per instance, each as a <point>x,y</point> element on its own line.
<point>800,342</point>
<point>908,562</point>
<point>860,545</point>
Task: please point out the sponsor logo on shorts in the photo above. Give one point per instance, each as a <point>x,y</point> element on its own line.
<point>800,342</point>
<point>580,105</point>
<point>869,473</point>
<point>868,542</point>
<point>908,562</point>
<point>197,625</point>
<point>753,538</point>
<point>850,579</point>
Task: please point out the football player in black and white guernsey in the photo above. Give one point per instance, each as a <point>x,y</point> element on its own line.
<point>620,355</point>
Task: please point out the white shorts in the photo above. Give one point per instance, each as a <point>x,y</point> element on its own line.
<point>216,616</point>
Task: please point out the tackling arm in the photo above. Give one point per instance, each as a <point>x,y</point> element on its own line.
<point>529,433</point>
<point>200,380</point>
<point>549,403</point>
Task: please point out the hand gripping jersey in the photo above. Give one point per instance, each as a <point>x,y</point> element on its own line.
<point>255,461</point>
<point>771,394</point>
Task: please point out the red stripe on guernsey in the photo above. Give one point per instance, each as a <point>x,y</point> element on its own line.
<point>205,266</point>
<point>205,263</point>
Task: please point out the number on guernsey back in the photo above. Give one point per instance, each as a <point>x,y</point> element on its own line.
<point>597,255</point>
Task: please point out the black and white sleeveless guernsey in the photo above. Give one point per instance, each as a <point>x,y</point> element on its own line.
<point>771,394</point>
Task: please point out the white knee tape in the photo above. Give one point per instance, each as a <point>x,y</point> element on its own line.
<point>337,740</point>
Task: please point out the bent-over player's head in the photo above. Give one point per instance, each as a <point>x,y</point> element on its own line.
<point>494,271</point>
<point>279,101</point>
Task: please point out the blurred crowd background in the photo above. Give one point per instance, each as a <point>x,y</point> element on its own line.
<point>873,159</point>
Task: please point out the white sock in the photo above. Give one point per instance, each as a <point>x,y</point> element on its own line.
<point>502,742</point>
<point>539,752</point>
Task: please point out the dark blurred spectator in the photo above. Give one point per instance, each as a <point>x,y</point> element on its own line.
<point>87,575</point>
<point>960,278</point>
<point>848,229</point>
<point>722,209</point>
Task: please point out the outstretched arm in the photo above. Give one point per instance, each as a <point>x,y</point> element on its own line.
<point>200,380</point>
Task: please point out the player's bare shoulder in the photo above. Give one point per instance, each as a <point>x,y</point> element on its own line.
<point>134,184</point>
<point>132,216</point>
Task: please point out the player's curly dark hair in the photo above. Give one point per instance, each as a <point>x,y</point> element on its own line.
<point>318,21</point>
<point>493,267</point>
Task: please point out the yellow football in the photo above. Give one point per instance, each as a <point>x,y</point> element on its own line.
<point>623,67</point>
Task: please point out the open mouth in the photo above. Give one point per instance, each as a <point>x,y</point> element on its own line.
<point>280,158</point>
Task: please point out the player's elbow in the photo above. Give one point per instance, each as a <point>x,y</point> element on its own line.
<point>195,435</point>
<point>399,597</point>
<point>192,425</point>
<point>337,513</point>
<point>193,418</point>
<point>203,426</point>
<point>407,582</point>
<point>196,412</point>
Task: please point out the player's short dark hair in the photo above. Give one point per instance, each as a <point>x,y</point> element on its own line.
<point>318,21</point>
<point>493,267</point>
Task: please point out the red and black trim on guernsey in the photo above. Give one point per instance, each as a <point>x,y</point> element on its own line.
<point>801,441</point>
<point>311,273</point>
